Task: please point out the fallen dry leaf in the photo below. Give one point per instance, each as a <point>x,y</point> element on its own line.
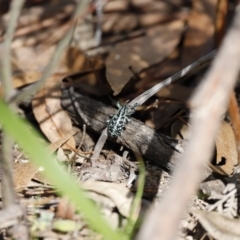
<point>23,173</point>
<point>219,226</point>
<point>65,209</point>
<point>226,149</point>
<point>199,38</point>
<point>25,78</point>
<point>118,193</point>
<point>54,146</point>
<point>114,6</point>
<point>141,52</point>
<point>118,22</point>
<point>53,120</point>
<point>227,155</point>
<point>73,61</point>
<point>29,59</point>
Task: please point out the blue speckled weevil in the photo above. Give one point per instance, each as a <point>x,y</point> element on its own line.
<point>116,124</point>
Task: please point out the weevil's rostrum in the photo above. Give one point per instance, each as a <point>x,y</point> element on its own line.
<point>116,124</point>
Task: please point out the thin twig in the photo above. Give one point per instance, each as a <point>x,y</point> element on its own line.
<point>83,136</point>
<point>80,144</point>
<point>98,147</point>
<point>99,11</point>
<point>80,9</point>
<point>136,205</point>
<point>209,102</point>
<point>77,106</point>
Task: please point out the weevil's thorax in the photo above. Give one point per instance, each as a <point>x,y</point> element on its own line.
<point>117,123</point>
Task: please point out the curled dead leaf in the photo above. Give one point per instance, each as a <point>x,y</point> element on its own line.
<point>53,120</point>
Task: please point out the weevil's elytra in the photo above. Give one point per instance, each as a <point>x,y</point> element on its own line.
<point>116,124</point>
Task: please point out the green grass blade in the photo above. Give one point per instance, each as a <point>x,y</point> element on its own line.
<point>18,129</point>
<point>133,220</point>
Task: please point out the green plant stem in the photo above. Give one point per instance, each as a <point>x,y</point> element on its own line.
<point>136,205</point>
<point>19,130</point>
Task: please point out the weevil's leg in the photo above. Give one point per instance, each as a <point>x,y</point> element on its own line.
<point>131,111</point>
<point>119,132</point>
<point>118,105</point>
<point>126,120</point>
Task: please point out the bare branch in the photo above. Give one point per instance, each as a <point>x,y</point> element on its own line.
<point>209,103</point>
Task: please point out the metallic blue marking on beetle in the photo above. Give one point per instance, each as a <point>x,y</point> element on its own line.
<point>116,124</point>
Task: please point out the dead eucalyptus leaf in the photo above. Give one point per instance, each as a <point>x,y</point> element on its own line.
<point>53,120</point>
<point>54,146</point>
<point>200,35</point>
<point>118,193</point>
<point>141,52</point>
<point>227,156</point>
<point>73,61</point>
<point>23,78</point>
<point>226,149</point>
<point>219,226</point>
<point>23,173</point>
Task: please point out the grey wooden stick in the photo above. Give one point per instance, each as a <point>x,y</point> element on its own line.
<point>153,146</point>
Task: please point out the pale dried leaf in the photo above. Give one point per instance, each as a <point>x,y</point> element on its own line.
<point>56,145</point>
<point>72,61</point>
<point>53,120</point>
<point>219,226</point>
<point>23,78</point>
<point>141,52</point>
<point>29,59</point>
<point>119,5</point>
<point>118,193</point>
<point>226,148</point>
<point>23,173</point>
<point>199,38</point>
